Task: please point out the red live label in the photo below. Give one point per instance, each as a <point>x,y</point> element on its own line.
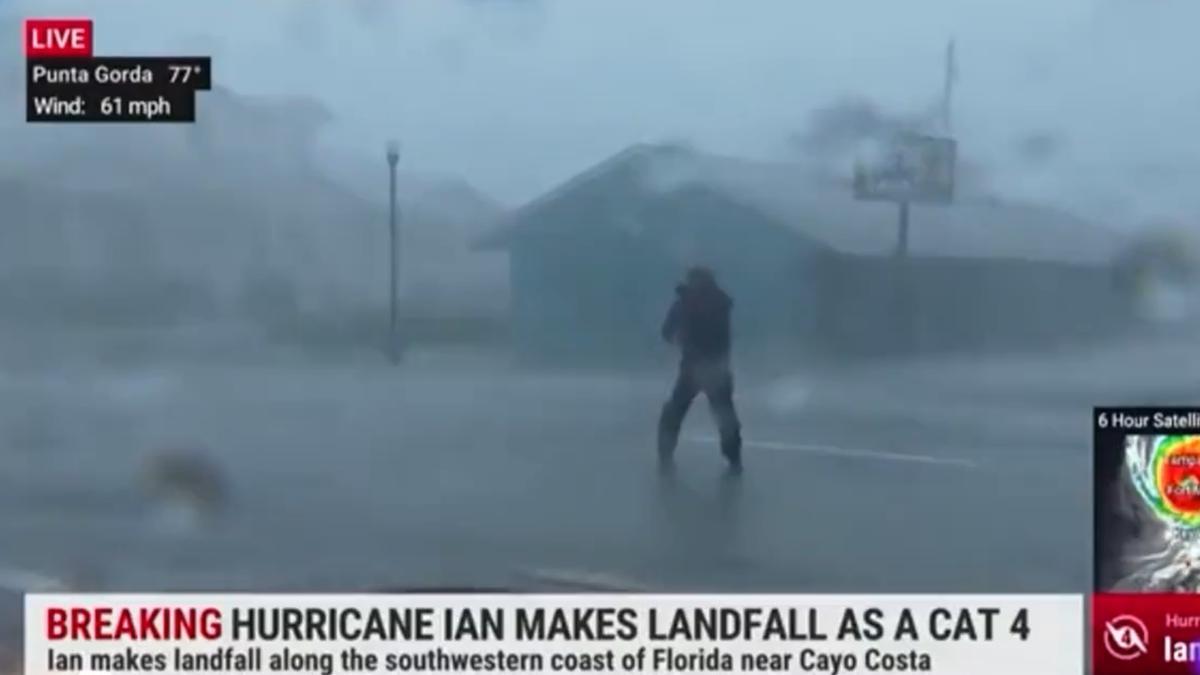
<point>58,37</point>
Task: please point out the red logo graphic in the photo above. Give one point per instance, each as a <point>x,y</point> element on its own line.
<point>1126,637</point>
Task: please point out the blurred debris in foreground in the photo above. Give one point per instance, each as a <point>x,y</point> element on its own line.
<point>188,484</point>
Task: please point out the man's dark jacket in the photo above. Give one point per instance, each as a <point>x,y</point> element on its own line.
<point>698,322</point>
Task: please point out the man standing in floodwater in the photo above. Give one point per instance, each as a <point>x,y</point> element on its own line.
<point>698,323</point>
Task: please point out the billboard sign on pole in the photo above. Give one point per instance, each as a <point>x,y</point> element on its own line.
<point>911,169</point>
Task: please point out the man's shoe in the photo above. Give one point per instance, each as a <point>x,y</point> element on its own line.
<point>735,465</point>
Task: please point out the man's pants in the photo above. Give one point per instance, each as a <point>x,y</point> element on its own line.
<point>716,381</point>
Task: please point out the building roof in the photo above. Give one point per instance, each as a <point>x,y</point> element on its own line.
<point>825,210</point>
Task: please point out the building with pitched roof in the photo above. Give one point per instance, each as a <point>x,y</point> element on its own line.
<point>594,261</point>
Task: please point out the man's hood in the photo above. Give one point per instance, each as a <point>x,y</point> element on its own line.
<point>708,294</point>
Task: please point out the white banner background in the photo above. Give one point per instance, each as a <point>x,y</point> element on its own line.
<point>1054,644</point>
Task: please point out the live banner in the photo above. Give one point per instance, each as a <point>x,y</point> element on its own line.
<point>633,633</point>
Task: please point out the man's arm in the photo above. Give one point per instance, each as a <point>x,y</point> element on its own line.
<point>670,327</point>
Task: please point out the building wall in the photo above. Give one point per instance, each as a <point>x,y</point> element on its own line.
<point>597,295</point>
<point>593,287</point>
<point>573,304</point>
<point>964,305</point>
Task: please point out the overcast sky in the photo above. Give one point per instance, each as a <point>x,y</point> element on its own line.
<point>516,95</point>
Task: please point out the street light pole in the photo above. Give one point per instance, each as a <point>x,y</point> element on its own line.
<point>904,289</point>
<point>902,240</point>
<point>393,157</point>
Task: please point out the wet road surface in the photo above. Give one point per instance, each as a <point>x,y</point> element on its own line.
<point>359,476</point>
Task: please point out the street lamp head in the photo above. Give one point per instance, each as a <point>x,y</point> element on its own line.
<point>393,152</point>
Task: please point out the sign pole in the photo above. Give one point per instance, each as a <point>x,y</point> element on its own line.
<point>918,169</point>
<point>393,156</point>
<point>904,300</point>
<point>951,76</point>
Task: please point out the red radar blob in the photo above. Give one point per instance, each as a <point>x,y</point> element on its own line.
<point>1179,476</point>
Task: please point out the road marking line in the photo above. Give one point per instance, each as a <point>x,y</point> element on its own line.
<point>853,453</point>
<point>585,580</point>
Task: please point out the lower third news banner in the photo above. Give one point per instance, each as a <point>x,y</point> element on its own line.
<point>948,635</point>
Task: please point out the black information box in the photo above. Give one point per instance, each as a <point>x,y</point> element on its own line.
<point>115,89</point>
